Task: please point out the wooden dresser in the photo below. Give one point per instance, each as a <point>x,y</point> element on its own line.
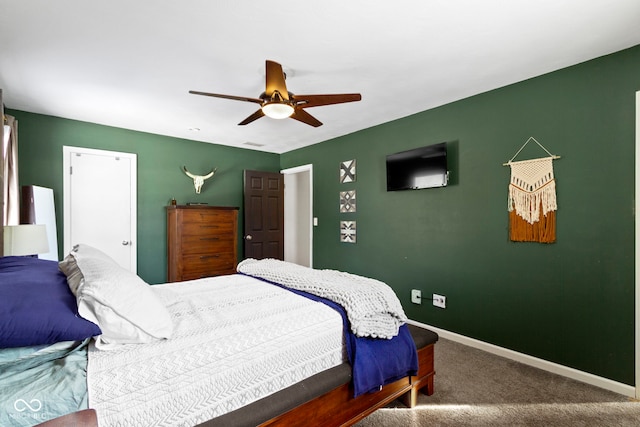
<point>202,241</point>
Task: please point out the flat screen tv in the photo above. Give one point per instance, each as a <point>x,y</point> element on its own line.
<point>424,167</point>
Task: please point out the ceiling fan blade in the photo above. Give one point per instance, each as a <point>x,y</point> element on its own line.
<point>275,80</point>
<point>236,98</point>
<point>302,116</point>
<point>307,101</point>
<point>251,118</point>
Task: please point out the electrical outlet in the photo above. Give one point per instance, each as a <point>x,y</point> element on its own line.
<point>439,301</point>
<point>416,296</point>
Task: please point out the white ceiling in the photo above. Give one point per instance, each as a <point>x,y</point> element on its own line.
<point>130,64</point>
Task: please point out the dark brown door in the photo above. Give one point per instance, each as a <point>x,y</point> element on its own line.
<point>263,215</point>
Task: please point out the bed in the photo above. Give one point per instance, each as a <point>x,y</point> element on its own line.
<point>126,353</point>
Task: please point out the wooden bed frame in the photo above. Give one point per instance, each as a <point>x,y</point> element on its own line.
<point>335,408</point>
<point>339,408</point>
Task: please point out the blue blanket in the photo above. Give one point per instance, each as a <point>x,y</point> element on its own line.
<point>374,361</point>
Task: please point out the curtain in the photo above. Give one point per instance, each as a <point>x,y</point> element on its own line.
<point>11,211</point>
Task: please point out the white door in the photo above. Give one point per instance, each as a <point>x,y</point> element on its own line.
<point>100,202</point>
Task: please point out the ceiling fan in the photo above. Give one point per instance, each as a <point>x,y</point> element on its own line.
<point>278,103</point>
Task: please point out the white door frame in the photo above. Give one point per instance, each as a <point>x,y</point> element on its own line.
<point>66,188</point>
<point>637,248</point>
<point>289,196</point>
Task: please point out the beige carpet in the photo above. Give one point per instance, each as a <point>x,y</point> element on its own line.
<point>476,388</point>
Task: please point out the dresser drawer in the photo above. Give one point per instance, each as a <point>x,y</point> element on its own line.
<point>207,228</point>
<point>197,266</point>
<point>202,244</point>
<point>209,216</point>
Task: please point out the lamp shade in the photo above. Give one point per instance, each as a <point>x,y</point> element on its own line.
<point>26,239</point>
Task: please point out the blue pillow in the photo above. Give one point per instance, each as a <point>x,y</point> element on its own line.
<point>36,305</point>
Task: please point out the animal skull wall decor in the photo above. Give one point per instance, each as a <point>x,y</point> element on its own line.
<point>198,180</point>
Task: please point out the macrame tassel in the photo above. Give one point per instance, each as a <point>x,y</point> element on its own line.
<point>529,205</point>
<point>542,231</point>
<point>532,201</point>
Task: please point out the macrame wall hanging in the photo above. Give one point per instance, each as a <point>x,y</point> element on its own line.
<point>532,198</point>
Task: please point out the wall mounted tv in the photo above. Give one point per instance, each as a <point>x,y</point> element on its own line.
<point>424,167</point>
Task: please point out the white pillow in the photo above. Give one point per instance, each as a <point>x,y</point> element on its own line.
<point>121,303</point>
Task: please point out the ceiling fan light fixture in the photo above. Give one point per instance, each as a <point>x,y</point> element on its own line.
<point>277,110</point>
<point>277,102</point>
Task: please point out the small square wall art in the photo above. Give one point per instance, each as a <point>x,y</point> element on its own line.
<point>348,171</point>
<point>348,231</point>
<point>347,201</point>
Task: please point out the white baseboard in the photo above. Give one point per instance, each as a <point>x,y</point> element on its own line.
<point>555,368</point>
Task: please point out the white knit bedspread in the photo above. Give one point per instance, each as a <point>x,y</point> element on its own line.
<point>372,306</point>
<point>236,340</point>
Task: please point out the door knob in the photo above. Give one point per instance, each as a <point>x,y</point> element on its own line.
<point>248,237</point>
<point>125,242</point>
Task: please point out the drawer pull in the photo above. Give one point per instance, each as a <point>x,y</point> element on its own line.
<point>209,256</point>
<point>209,238</point>
<point>209,226</point>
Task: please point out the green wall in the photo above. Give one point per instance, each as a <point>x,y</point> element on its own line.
<point>160,177</point>
<point>571,302</point>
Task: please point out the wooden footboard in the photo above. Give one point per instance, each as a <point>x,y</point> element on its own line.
<point>339,408</point>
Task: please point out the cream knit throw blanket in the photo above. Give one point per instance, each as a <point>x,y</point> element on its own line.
<point>373,309</point>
